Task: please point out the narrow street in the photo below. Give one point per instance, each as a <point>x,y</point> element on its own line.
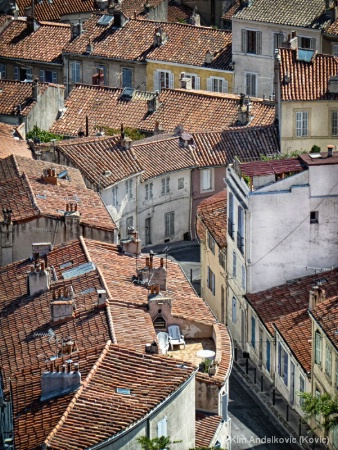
<point>251,425</point>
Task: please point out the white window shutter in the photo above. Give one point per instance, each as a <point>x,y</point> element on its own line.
<point>171,80</point>
<point>156,81</point>
<point>224,86</point>
<point>197,82</point>
<point>305,123</point>
<point>16,73</point>
<point>209,84</point>
<point>55,77</point>
<point>298,124</point>
<point>244,41</point>
<point>259,42</point>
<point>312,44</point>
<point>162,428</point>
<point>29,73</point>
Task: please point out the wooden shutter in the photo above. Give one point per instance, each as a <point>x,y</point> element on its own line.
<point>167,224</point>
<point>16,73</point>
<point>244,41</point>
<point>286,368</point>
<point>42,76</point>
<point>55,77</point>
<point>312,44</point>
<point>162,428</point>
<point>305,124</point>
<point>171,80</point>
<point>163,186</point>
<point>224,85</point>
<point>258,42</point>
<point>29,73</point>
<point>197,82</point>
<point>157,86</point>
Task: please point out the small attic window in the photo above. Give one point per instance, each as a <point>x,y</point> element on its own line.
<point>123,391</point>
<point>63,174</point>
<point>105,20</point>
<point>127,93</point>
<point>66,264</point>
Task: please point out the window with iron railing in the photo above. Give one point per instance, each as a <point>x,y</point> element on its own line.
<point>231,229</point>
<point>240,243</point>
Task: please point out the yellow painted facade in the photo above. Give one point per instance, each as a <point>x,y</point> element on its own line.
<point>176,69</point>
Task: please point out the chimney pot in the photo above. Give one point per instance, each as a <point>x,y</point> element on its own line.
<point>157,287</point>
<point>147,261</point>
<point>330,151</point>
<point>161,262</point>
<point>67,207</point>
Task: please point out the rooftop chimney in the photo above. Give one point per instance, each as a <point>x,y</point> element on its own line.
<point>32,23</point>
<point>195,18</point>
<point>35,90</point>
<point>41,248</point>
<point>208,58</point>
<point>7,215</point>
<point>316,296</point>
<point>186,139</point>
<point>72,221</point>
<point>49,177</point>
<point>132,244</point>
<point>101,297</point>
<point>158,129</point>
<point>185,82</point>
<point>62,307</point>
<point>89,47</point>
<point>153,103</point>
<point>293,41</point>
<point>330,151</point>
<point>39,277</point>
<point>55,384</point>
<point>155,276</point>
<point>160,37</point>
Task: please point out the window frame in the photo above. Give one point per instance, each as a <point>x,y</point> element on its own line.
<point>180,183</point>
<point>3,71</point>
<point>114,196</point>
<point>234,265</point>
<point>203,183</point>
<point>195,80</point>
<point>123,71</point>
<point>169,224</point>
<point>129,222</point>
<point>165,185</point>
<point>158,82</point>
<point>234,309</point>
<point>251,41</point>
<point>334,122</point>
<point>211,242</point>
<point>314,217</point>
<point>302,39</point>
<point>253,332</point>
<point>318,348</point>
<point>328,361</point>
<point>252,84</point>
<point>75,68</point>
<point>129,188</point>
<point>300,130</point>
<point>211,281</point>
<point>222,84</point>
<point>148,191</point>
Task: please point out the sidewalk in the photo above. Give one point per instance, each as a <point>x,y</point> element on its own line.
<point>284,413</point>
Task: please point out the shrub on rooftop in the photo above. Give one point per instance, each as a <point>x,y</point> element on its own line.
<point>42,135</point>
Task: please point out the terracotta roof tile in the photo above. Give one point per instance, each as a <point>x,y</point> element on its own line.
<point>23,191</point>
<point>286,306</point>
<point>206,427</point>
<point>12,143</point>
<point>14,93</point>
<point>186,44</point>
<point>46,10</point>
<point>178,13</point>
<point>128,7</point>
<point>276,167</point>
<point>332,29</point>
<point>45,44</point>
<point>326,315</point>
<point>151,379</point>
<point>232,10</point>
<point>303,13</point>
<point>212,213</point>
<point>195,111</point>
<point>308,80</point>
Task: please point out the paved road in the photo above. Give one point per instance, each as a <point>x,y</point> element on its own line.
<point>250,425</point>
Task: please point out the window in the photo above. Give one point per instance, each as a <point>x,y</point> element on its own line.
<point>129,188</point>
<point>114,195</point>
<point>253,332</point>
<point>47,76</point>
<point>278,39</point>
<point>211,243</point>
<point>127,77</point>
<point>283,363</point>
<point>180,183</point>
<point>217,84</point>
<point>314,216</point>
<point>211,280</point>
<point>195,80</point>
<point>328,357</point>
<point>240,232</point>
<point>165,182</point>
<point>206,179</point>
<point>301,389</point>
<point>306,43</point>
<point>3,71</point>
<point>231,225</point>
<point>75,72</point>
<point>302,123</point>
<point>149,191</point>
<point>129,222</point>
<point>243,277</point>
<point>318,348</point>
<point>268,355</point>
<point>334,129</point>
<point>234,310</point>
<point>221,258</point>
<point>163,79</point>
<point>234,262</point>
<point>169,222</point>
<point>23,74</point>
<point>162,428</point>
<point>252,42</point>
<point>335,50</point>
<point>251,84</point>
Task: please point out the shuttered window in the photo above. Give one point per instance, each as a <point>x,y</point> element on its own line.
<point>75,71</point>
<point>234,310</point>
<point>252,42</point>
<point>169,223</point>
<point>302,123</point>
<point>163,79</point>
<point>3,71</point>
<point>162,429</point>
<point>195,80</point>
<point>334,130</point>
<point>251,84</point>
<point>127,77</point>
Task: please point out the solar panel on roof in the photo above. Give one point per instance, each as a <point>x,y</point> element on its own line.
<point>105,20</point>
<point>79,270</point>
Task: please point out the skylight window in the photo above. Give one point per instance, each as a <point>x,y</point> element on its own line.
<point>105,20</point>
<point>123,391</point>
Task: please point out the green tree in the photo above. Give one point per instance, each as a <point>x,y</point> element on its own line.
<point>132,133</point>
<point>324,406</point>
<point>161,443</point>
<point>44,136</point>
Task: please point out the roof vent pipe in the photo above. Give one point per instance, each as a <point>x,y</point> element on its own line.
<point>330,151</point>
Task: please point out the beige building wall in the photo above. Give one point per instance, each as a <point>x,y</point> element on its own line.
<point>319,125</point>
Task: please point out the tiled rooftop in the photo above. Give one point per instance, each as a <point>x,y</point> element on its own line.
<point>46,10</point>
<point>186,44</point>
<point>11,143</point>
<point>326,315</point>
<point>286,307</point>
<point>302,13</point>
<point>308,80</point>
<point>212,213</point>
<point>27,346</point>
<point>332,29</point>
<point>276,167</point>
<point>45,44</point>
<point>195,111</point>
<point>206,427</point>
<point>14,93</point>
<point>22,190</point>
<point>228,15</point>
<point>178,13</point>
